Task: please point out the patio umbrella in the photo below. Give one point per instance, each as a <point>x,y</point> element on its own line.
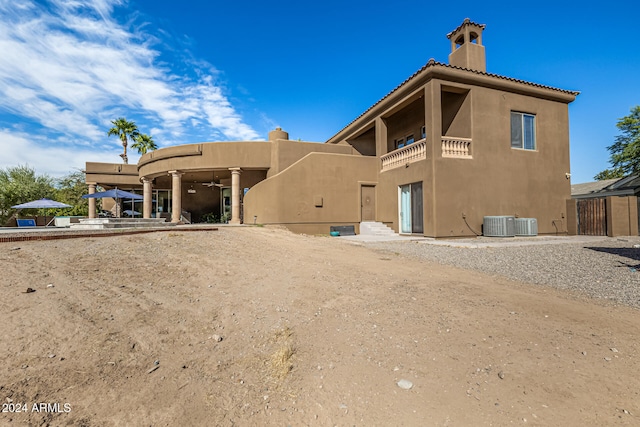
<point>42,204</point>
<point>114,193</point>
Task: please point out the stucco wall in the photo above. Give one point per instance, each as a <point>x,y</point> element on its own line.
<point>291,197</point>
<point>622,216</point>
<point>407,121</point>
<point>388,184</point>
<point>364,143</point>
<point>572,217</point>
<point>500,180</point>
<point>456,112</point>
<point>285,152</point>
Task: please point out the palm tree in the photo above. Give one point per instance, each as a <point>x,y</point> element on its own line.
<point>144,143</point>
<point>124,130</point>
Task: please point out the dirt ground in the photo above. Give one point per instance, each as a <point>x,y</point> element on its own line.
<point>258,326</point>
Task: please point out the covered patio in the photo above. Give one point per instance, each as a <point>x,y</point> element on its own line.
<point>179,196</point>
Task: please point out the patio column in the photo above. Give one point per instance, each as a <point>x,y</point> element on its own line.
<point>381,137</point>
<point>92,202</point>
<point>235,195</point>
<point>147,192</point>
<point>176,195</point>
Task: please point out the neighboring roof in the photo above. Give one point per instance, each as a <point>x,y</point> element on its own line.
<point>433,63</point>
<point>628,186</point>
<point>591,187</point>
<point>466,21</point>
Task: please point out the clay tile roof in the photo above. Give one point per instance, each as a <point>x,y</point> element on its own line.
<point>466,22</point>
<point>433,63</point>
<point>511,79</point>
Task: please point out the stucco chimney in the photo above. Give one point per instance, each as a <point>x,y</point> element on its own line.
<point>467,50</point>
<point>278,133</point>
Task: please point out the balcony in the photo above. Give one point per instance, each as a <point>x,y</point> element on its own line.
<point>459,148</point>
<point>408,154</point>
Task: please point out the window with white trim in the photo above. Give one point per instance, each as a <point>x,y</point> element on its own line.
<point>523,131</point>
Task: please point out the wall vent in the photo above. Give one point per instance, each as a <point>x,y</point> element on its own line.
<point>526,227</point>
<point>499,226</point>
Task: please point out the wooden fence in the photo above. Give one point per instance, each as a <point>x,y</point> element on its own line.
<point>592,217</point>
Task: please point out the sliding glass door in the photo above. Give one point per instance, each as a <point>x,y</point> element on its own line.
<point>405,209</point>
<point>417,209</point>
<point>411,209</point>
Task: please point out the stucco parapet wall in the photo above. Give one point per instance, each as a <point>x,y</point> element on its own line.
<point>111,168</point>
<point>204,156</point>
<point>165,153</point>
<point>448,73</point>
<point>111,174</point>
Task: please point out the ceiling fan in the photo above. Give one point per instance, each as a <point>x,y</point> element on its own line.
<point>214,183</point>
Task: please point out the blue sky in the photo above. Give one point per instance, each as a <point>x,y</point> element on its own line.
<point>196,71</point>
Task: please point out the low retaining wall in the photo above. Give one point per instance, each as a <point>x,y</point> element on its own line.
<point>6,237</point>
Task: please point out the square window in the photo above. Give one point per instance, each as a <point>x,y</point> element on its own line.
<point>523,131</point>
<point>399,143</point>
<point>410,139</point>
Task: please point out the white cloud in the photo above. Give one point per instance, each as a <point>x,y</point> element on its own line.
<point>70,67</point>
<point>52,159</point>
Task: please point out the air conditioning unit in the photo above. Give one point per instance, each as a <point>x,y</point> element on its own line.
<point>499,226</point>
<point>526,227</point>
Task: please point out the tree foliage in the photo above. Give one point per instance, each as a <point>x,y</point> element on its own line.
<point>609,174</point>
<point>144,143</point>
<point>70,189</point>
<point>20,184</point>
<point>625,151</point>
<point>125,130</point>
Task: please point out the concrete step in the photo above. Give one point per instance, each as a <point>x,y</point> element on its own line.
<point>375,229</point>
<point>110,223</point>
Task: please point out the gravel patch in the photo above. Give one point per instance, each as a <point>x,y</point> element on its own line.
<point>607,269</point>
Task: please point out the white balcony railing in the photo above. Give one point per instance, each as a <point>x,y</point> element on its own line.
<point>407,154</point>
<point>456,147</point>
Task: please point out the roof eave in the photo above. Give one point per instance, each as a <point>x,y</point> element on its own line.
<point>603,194</point>
<point>437,70</point>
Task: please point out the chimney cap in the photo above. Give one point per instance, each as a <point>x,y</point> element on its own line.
<point>466,22</point>
<point>278,133</point>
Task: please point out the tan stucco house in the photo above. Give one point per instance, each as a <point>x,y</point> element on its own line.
<point>447,147</point>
